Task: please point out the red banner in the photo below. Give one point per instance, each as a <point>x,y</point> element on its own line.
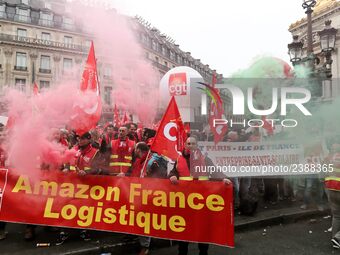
<point>194,211</point>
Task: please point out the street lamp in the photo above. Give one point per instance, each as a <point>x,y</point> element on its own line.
<point>327,44</point>
<point>327,41</point>
<point>295,50</point>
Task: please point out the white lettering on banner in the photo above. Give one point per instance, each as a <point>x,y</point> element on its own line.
<point>167,129</point>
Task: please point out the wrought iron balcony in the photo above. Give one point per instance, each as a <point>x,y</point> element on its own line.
<point>42,70</point>
<point>39,21</point>
<point>160,66</point>
<point>20,68</point>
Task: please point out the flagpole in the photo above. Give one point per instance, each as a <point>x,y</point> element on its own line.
<point>146,160</point>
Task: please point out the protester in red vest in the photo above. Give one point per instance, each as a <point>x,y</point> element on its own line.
<point>88,160</point>
<point>132,134</point>
<point>141,158</point>
<point>109,134</point>
<point>3,157</point>
<point>185,169</point>
<point>332,183</point>
<point>121,153</point>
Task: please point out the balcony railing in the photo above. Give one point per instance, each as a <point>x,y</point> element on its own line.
<point>22,18</point>
<point>107,77</point>
<point>46,22</point>
<point>20,68</point>
<point>3,15</point>
<point>40,42</point>
<point>42,70</point>
<point>160,66</point>
<point>39,21</point>
<point>66,72</point>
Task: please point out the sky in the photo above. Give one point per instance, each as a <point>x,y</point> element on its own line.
<point>225,34</point>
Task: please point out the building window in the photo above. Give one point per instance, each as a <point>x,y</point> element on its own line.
<point>25,2</point>
<point>68,39</point>
<point>44,84</point>
<point>67,64</point>
<point>172,55</point>
<point>3,11</point>
<point>21,61</point>
<point>154,45</point>
<point>45,64</point>
<point>48,5</point>
<point>107,72</point>
<point>46,19</point>
<point>20,84</point>
<point>88,43</point>
<point>107,95</point>
<point>45,36</point>
<point>68,23</point>
<point>163,51</point>
<point>144,40</point>
<point>21,32</point>
<point>22,15</point>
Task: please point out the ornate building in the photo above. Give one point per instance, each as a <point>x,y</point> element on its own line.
<point>323,11</point>
<point>40,41</point>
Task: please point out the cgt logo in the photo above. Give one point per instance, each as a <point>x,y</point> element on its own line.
<point>178,84</point>
<point>167,130</point>
<point>286,98</point>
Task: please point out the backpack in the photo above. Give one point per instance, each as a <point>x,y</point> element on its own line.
<point>157,166</point>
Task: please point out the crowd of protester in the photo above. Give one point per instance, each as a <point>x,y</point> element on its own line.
<point>125,151</point>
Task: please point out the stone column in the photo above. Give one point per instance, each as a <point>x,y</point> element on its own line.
<point>34,69</point>
<point>8,67</point>
<point>56,69</point>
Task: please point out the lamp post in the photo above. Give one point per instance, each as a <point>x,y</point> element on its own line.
<point>295,50</point>
<point>327,41</point>
<point>327,44</point>
<point>308,6</point>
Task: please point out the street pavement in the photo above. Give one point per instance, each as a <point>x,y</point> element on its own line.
<point>302,238</point>
<point>249,230</point>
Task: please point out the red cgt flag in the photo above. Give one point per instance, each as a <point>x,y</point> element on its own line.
<point>219,130</point>
<point>116,120</point>
<point>125,119</point>
<point>170,136</point>
<point>87,116</point>
<point>216,112</point>
<point>35,89</point>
